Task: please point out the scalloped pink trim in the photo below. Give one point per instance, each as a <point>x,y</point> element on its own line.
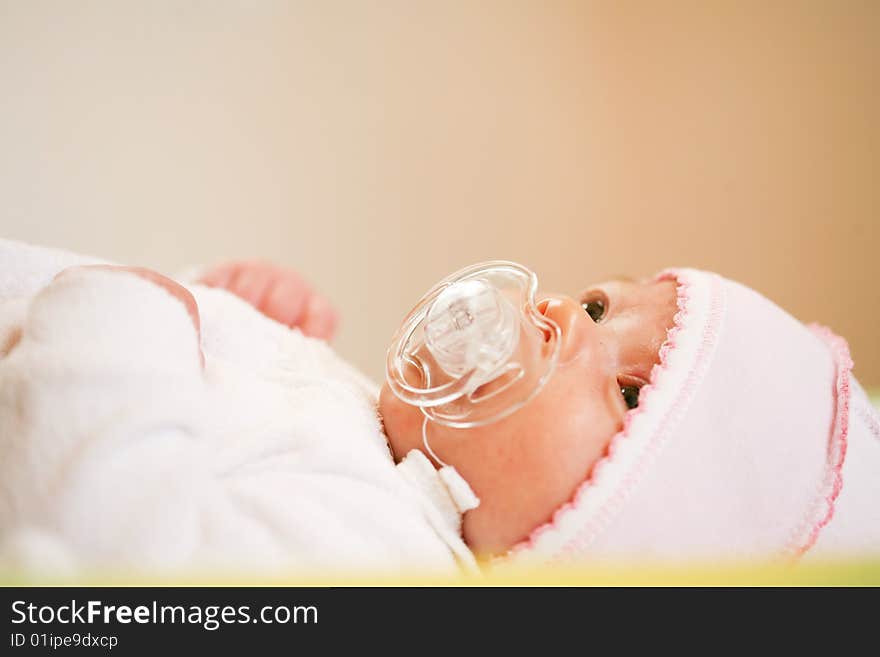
<point>823,510</point>
<point>645,403</point>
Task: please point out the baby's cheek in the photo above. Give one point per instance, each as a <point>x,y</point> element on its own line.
<point>537,462</point>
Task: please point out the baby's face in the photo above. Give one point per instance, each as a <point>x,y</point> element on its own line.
<point>527,465</point>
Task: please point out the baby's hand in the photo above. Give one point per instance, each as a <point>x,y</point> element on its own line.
<point>279,293</point>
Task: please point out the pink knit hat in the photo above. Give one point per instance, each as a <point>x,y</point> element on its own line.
<point>753,440</point>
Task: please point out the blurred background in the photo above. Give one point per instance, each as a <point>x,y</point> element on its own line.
<point>378,146</point>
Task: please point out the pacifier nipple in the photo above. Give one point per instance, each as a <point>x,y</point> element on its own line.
<point>471,326</point>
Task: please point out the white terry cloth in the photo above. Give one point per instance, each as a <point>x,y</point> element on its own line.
<point>117,451</point>
<point>445,497</point>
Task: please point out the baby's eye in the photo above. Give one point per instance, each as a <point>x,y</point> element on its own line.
<point>595,307</point>
<point>630,395</point>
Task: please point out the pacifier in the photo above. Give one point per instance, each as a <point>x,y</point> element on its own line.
<point>475,348</point>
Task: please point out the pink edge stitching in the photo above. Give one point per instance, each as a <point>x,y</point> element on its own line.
<point>833,484</point>
<point>682,302</point>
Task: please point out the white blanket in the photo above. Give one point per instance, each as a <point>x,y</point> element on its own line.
<point>118,451</point>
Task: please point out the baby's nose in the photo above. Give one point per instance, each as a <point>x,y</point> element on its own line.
<point>578,330</point>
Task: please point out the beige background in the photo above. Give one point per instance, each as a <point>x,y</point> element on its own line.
<point>379,145</point>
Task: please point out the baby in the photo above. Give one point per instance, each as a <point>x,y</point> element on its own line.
<point>685,417</point>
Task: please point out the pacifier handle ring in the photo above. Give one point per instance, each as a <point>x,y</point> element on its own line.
<point>428,447</point>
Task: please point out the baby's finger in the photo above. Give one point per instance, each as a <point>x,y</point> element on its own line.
<point>320,319</point>
<point>219,276</point>
<point>252,281</point>
<point>285,301</point>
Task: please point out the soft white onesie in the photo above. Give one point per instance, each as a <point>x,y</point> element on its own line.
<point>119,451</point>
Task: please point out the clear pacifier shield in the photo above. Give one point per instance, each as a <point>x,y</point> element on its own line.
<point>475,348</point>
